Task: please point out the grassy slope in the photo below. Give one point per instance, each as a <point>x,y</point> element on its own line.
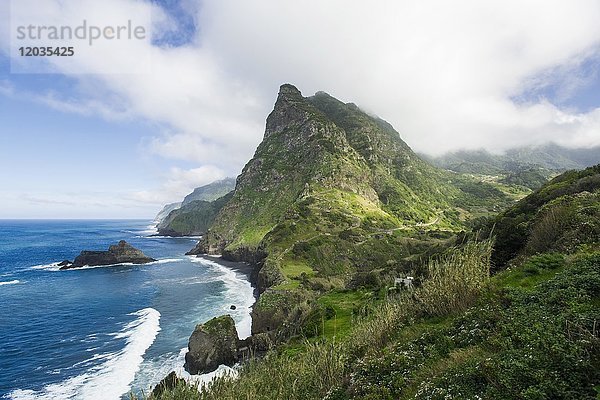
<point>562,212</point>
<point>530,332</point>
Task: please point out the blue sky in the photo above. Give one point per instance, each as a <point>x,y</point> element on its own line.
<point>447,76</point>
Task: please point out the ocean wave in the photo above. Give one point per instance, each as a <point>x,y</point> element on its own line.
<point>111,379</point>
<point>153,371</point>
<point>151,229</point>
<point>55,267</point>
<point>13,282</point>
<point>128,264</point>
<point>165,260</point>
<point>239,291</point>
<point>48,267</point>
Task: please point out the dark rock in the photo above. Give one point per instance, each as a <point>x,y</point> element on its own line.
<point>168,383</point>
<point>116,254</point>
<point>212,344</point>
<point>64,263</point>
<point>232,307</point>
<point>269,275</point>
<point>261,342</point>
<point>256,345</point>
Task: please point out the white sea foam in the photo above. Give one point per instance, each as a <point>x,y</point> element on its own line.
<point>203,379</point>
<point>165,260</point>
<point>239,291</point>
<point>54,266</point>
<point>48,267</point>
<point>154,371</point>
<point>151,229</point>
<point>162,261</point>
<point>13,282</point>
<point>111,379</point>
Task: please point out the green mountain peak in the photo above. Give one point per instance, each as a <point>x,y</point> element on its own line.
<point>332,193</point>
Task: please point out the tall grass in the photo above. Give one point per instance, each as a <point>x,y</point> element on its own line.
<point>454,281</point>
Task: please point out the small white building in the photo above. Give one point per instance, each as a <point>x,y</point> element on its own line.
<point>404,283</point>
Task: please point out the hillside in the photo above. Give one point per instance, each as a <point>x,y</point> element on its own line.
<point>561,216</point>
<point>165,211</point>
<point>196,212</point>
<point>528,332</point>
<point>211,191</point>
<point>529,166</point>
<point>334,197</point>
<point>193,218</point>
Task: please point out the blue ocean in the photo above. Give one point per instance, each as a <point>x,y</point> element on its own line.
<point>103,332</point>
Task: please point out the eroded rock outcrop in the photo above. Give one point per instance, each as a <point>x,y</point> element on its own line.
<point>212,344</point>
<point>119,253</point>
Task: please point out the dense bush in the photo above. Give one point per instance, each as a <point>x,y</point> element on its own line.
<point>555,217</point>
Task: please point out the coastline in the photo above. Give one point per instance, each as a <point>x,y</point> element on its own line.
<point>241,267</point>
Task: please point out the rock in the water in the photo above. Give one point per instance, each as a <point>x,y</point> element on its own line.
<point>169,382</point>
<point>116,254</point>
<point>64,263</point>
<point>212,344</point>
<point>232,307</point>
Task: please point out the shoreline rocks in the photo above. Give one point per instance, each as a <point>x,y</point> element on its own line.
<point>212,344</point>
<point>169,382</point>
<point>120,253</point>
<point>216,342</point>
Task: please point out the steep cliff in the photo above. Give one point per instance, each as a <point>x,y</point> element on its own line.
<point>333,192</point>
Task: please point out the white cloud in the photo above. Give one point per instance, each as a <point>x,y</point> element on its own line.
<point>445,74</point>
<point>178,183</point>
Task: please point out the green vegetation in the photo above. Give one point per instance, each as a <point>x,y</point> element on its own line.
<point>334,206</point>
<point>516,339</point>
<point>562,215</point>
<point>323,365</point>
<point>223,323</point>
<point>529,332</point>
<point>532,178</point>
<point>211,192</point>
<point>333,198</point>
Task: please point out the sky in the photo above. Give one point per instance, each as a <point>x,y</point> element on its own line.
<point>126,127</point>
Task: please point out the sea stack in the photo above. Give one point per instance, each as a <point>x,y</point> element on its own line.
<point>212,344</point>
<point>119,253</point>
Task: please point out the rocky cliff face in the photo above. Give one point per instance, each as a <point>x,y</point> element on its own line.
<point>166,210</point>
<point>331,191</point>
<point>320,150</point>
<point>192,218</point>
